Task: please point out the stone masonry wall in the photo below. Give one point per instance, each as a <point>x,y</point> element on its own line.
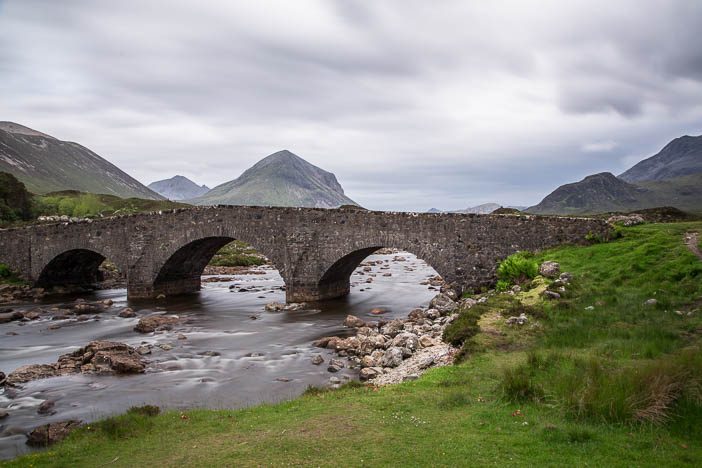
<point>303,243</point>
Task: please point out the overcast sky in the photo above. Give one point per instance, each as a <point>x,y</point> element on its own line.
<point>412,104</point>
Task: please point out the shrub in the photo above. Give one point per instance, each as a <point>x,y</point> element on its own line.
<point>502,285</point>
<point>5,271</point>
<point>15,200</point>
<point>518,268</point>
<point>464,327</point>
<point>593,238</point>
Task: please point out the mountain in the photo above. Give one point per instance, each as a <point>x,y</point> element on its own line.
<point>178,188</point>
<point>673,177</point>
<point>680,157</point>
<point>601,193</point>
<point>433,210</point>
<point>485,208</point>
<point>596,193</point>
<point>281,179</point>
<point>46,164</point>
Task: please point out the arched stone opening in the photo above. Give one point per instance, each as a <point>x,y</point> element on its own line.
<point>182,271</point>
<point>336,280</point>
<point>76,267</point>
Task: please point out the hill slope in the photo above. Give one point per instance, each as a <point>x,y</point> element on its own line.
<point>46,164</point>
<point>596,193</point>
<point>281,179</point>
<point>178,188</point>
<point>681,157</point>
<point>601,193</point>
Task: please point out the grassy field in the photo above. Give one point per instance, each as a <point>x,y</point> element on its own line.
<point>596,378</point>
<point>80,204</point>
<point>237,253</point>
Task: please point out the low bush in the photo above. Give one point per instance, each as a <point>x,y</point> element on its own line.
<point>517,268</point>
<point>464,327</point>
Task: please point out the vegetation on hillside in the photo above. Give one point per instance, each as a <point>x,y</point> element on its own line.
<point>16,202</point>
<point>18,206</point>
<point>237,253</point>
<point>600,377</point>
<point>80,204</point>
<point>7,276</point>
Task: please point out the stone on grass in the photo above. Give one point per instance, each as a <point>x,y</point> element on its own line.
<point>550,269</point>
<point>551,294</point>
<point>51,433</point>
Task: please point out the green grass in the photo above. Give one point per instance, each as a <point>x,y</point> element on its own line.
<point>567,389</point>
<point>7,276</point>
<point>80,204</point>
<point>237,253</point>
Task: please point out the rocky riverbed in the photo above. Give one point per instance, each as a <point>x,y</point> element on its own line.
<point>218,349</point>
<point>396,350</point>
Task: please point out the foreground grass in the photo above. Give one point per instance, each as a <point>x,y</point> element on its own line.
<point>466,414</point>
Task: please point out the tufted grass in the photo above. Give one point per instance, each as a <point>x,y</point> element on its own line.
<point>615,385</point>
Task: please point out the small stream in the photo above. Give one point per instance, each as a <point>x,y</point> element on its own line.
<point>235,354</point>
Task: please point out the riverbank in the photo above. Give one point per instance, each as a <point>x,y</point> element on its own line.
<point>631,309</point>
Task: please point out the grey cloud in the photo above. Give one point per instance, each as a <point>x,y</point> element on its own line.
<point>410,103</point>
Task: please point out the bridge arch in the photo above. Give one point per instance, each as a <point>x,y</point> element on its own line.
<point>335,279</point>
<point>177,267</point>
<point>73,267</point>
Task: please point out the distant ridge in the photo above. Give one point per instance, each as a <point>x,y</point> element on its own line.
<point>681,157</point>
<point>178,188</point>
<point>595,193</point>
<point>46,164</point>
<point>671,178</point>
<point>280,179</point>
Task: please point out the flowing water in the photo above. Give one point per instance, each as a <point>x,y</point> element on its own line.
<point>260,356</point>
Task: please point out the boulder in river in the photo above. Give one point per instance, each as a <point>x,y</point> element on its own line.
<point>103,357</point>
<point>354,322</point>
<point>31,372</point>
<point>155,322</point>
<point>51,433</point>
<point>11,316</point>
<point>127,312</point>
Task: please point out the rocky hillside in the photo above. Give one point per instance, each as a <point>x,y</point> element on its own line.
<point>281,179</point>
<point>681,157</point>
<point>485,208</point>
<point>601,193</point>
<point>673,177</point>
<point>596,193</point>
<point>178,188</point>
<point>45,164</point>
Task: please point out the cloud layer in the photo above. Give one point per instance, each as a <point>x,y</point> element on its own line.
<point>410,103</point>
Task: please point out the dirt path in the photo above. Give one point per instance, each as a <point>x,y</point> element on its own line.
<point>693,243</point>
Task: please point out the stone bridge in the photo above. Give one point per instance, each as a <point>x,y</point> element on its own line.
<point>315,250</point>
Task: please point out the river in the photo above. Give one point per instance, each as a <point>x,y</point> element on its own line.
<point>235,354</point>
